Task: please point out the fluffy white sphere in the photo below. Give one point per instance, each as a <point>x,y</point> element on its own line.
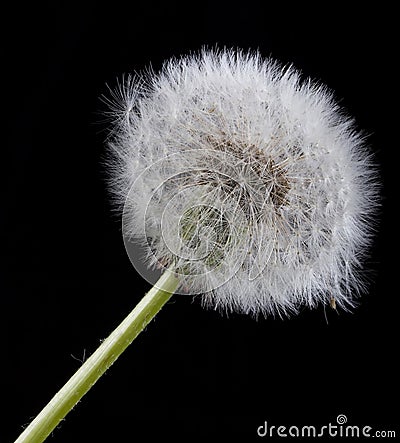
<point>253,184</point>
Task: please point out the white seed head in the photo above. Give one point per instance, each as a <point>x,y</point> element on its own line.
<point>253,184</point>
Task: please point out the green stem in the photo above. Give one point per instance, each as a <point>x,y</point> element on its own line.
<point>95,366</point>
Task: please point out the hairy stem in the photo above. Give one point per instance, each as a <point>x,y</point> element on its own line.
<point>97,364</point>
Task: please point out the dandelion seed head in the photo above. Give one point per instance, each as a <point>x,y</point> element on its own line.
<point>253,183</point>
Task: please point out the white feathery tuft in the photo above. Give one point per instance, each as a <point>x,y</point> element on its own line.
<point>254,184</point>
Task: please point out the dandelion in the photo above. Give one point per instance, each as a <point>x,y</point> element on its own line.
<point>253,185</point>
<point>244,184</point>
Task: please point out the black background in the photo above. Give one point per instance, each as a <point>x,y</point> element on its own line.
<point>67,282</point>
